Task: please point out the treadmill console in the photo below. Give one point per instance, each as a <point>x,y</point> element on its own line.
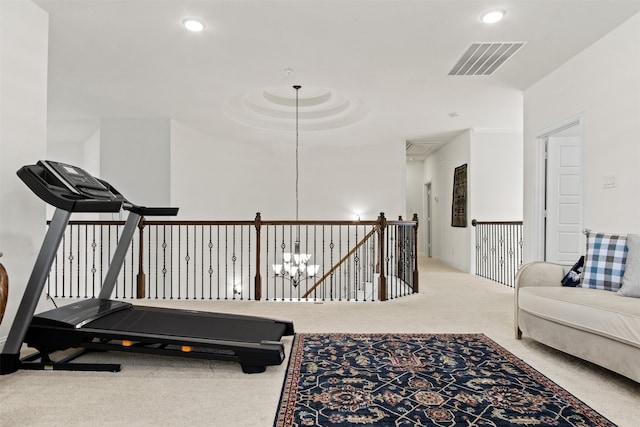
<point>78,180</point>
<point>71,188</point>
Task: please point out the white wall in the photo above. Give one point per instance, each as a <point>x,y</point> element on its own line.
<point>494,189</point>
<point>415,189</point>
<point>495,179</point>
<point>602,86</point>
<point>70,152</point>
<point>131,154</point>
<point>221,179</point>
<point>449,244</point>
<point>415,201</point>
<point>23,134</point>
<point>134,158</point>
<point>496,175</point>
<point>91,154</point>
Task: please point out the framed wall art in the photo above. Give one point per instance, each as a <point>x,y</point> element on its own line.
<point>459,202</point>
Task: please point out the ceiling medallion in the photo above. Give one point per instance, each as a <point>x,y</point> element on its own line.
<point>274,108</point>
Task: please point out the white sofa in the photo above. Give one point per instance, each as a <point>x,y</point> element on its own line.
<point>600,326</point>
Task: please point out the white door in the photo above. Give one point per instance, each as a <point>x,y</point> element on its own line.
<point>564,238</point>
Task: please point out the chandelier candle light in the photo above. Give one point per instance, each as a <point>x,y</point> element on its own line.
<point>295,265</point>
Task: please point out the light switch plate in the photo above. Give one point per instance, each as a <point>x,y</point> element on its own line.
<point>609,181</point>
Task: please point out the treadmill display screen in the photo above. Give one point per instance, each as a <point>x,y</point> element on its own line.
<point>77,180</point>
<point>70,169</point>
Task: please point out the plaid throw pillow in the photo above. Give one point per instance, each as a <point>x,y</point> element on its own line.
<point>605,261</point>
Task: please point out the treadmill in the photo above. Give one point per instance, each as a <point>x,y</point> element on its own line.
<point>102,324</point>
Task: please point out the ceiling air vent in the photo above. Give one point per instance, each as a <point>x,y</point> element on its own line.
<point>482,59</point>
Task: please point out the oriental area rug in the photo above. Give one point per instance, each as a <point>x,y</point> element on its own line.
<point>419,380</point>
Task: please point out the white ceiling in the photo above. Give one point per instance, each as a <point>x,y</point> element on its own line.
<point>133,59</point>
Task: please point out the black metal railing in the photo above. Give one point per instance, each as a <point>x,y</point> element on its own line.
<point>237,260</point>
<point>498,250</point>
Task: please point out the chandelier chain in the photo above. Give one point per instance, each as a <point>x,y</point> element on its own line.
<point>297,88</point>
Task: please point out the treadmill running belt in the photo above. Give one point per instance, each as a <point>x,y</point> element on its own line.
<point>173,322</point>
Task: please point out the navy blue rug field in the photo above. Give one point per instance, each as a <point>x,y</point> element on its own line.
<point>419,380</point>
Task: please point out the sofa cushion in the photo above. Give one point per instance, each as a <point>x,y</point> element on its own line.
<point>605,261</point>
<point>592,310</point>
<point>631,280</point>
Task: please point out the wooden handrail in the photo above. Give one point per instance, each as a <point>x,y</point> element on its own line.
<point>145,222</point>
<point>339,263</point>
<point>475,222</point>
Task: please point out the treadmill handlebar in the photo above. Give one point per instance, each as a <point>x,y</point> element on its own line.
<point>150,211</point>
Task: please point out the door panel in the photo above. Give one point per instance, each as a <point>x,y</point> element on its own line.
<point>564,200</point>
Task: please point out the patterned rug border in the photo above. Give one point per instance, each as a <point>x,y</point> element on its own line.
<point>284,414</point>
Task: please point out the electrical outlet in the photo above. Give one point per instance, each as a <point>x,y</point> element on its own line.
<point>608,181</point>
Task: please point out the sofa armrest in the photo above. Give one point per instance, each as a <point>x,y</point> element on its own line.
<point>535,274</point>
<point>539,274</point>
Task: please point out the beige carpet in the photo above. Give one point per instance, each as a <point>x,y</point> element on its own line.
<point>152,391</point>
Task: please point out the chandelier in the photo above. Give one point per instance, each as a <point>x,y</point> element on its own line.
<point>295,265</point>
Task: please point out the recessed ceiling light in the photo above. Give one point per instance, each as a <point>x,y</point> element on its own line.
<point>492,16</point>
<point>193,24</point>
